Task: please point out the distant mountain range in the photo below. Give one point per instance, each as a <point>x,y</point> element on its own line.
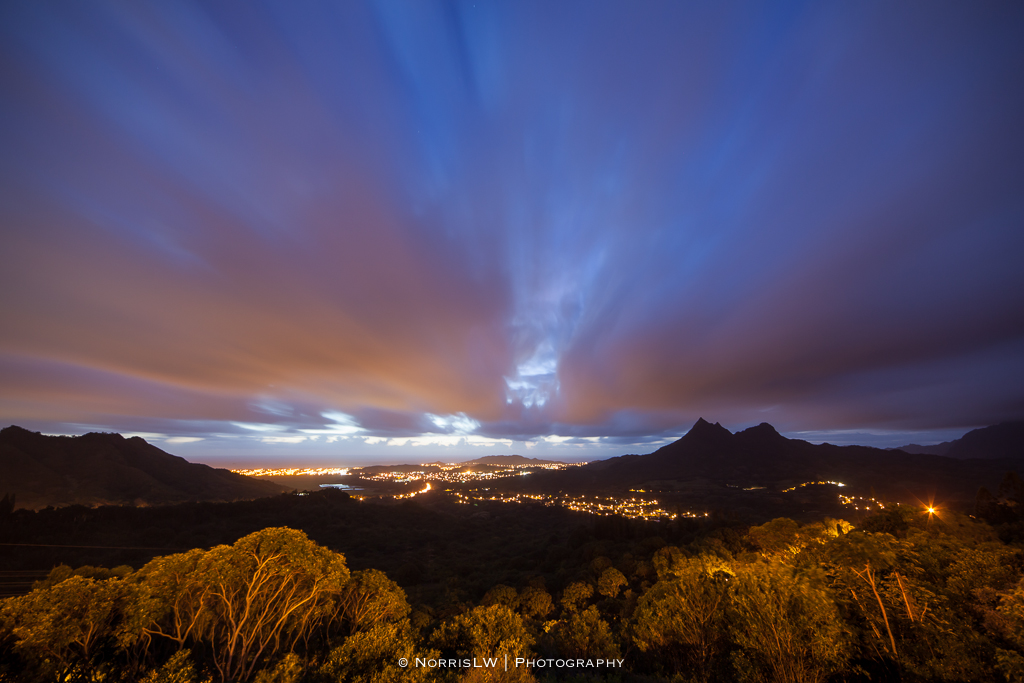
<point>508,460</point>
<point>761,457</point>
<point>102,469</point>
<point>1004,440</point>
<point>97,469</point>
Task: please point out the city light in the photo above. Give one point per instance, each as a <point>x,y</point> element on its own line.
<point>814,483</point>
<point>414,493</point>
<point>861,502</point>
<point>460,474</point>
<point>292,471</point>
<point>631,508</point>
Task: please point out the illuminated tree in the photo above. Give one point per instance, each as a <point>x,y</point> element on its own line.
<point>372,656</point>
<point>990,565</point>
<point>786,626</point>
<point>858,562</point>
<point>264,593</point>
<point>668,562</point>
<point>77,628</point>
<point>585,634</point>
<point>907,622</point>
<point>611,582</point>
<point>681,620</point>
<point>575,594</point>
<point>180,593</point>
<point>501,595</point>
<point>535,603</point>
<point>778,538</point>
<point>492,631</point>
<point>288,669</point>
<point>1010,662</point>
<point>248,601</point>
<point>177,669</point>
<point>370,597</point>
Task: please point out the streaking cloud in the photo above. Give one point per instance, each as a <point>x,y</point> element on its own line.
<point>348,229</point>
<point>454,424</point>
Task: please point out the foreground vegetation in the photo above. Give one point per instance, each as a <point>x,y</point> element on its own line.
<point>904,596</point>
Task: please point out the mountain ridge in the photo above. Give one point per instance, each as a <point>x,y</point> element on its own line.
<point>101,468</point>
<point>761,457</point>
<point>1003,440</point>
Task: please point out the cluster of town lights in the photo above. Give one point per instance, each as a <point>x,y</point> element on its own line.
<point>857,502</point>
<point>293,471</point>
<point>631,508</point>
<point>413,493</point>
<point>814,483</point>
<point>861,502</point>
<point>454,473</point>
<point>461,474</point>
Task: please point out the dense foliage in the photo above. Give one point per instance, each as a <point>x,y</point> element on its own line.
<point>903,596</point>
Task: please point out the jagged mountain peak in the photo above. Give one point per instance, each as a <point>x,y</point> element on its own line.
<point>702,429</point>
<point>762,432</point>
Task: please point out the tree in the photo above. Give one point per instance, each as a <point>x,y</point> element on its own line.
<point>893,593</point>
<point>893,520</point>
<point>575,594</point>
<point>611,582</point>
<point>777,538</point>
<point>248,601</point>
<point>265,592</point>
<point>62,572</point>
<point>79,627</point>
<point>786,626</point>
<point>501,595</point>
<point>668,561</point>
<point>585,634</point>
<point>681,621</point>
<point>372,655</point>
<point>370,597</point>
<point>1011,610</point>
<point>179,592</point>
<point>177,669</point>
<point>6,506</point>
<point>535,603</point>
<point>492,631</point>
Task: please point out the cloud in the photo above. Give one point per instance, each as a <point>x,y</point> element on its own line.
<point>341,424</point>
<point>499,225</point>
<point>454,424</point>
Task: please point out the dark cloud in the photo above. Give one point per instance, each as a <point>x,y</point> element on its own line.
<point>576,226</point>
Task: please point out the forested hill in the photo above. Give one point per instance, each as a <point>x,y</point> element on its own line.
<point>96,469</point>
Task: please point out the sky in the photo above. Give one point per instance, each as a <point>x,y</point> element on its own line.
<point>277,232</point>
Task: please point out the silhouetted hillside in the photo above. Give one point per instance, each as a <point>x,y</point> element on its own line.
<point>97,469</point>
<point>761,457</point>
<point>934,449</point>
<point>509,460</point>
<point>1004,440</point>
